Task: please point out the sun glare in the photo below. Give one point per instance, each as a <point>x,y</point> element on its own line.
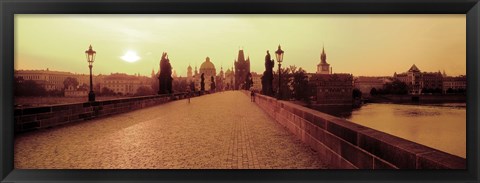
<point>130,56</point>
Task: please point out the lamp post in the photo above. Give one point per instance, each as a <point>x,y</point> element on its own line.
<point>279,55</point>
<point>90,54</point>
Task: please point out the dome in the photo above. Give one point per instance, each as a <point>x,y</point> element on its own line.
<point>207,64</point>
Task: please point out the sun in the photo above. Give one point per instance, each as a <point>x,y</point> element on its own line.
<point>130,56</point>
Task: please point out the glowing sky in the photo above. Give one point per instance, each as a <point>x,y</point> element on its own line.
<point>358,44</point>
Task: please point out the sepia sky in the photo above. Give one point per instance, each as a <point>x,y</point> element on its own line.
<point>364,45</point>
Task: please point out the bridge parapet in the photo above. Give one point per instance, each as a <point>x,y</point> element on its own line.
<point>346,145</point>
<point>27,119</point>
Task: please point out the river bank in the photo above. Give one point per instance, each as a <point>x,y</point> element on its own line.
<point>415,99</point>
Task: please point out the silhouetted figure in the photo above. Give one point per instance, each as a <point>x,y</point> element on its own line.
<point>212,84</point>
<point>267,78</point>
<point>252,96</point>
<point>188,94</point>
<point>165,77</point>
<point>202,83</point>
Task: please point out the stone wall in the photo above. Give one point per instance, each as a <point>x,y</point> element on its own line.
<point>346,145</point>
<point>27,119</point>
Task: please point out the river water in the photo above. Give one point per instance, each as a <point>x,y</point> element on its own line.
<point>440,126</point>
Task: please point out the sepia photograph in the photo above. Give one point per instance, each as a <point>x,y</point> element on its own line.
<point>240,91</point>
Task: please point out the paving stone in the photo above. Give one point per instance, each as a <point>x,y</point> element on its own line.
<point>218,131</point>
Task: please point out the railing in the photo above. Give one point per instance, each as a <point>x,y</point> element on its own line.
<point>32,118</point>
<point>343,144</point>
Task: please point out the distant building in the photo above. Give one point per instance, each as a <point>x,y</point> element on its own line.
<point>332,89</point>
<point>432,81</point>
<point>208,70</point>
<point>418,81</point>
<point>229,83</point>
<point>328,88</point>
<point>323,67</point>
<point>257,82</point>
<point>454,83</point>
<point>124,84</point>
<point>71,91</point>
<point>220,81</point>
<point>196,79</point>
<point>189,74</point>
<point>242,68</point>
<point>366,83</point>
<point>52,80</point>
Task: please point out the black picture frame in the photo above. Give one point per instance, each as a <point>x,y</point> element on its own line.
<point>9,8</point>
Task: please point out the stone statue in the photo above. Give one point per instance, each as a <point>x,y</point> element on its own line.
<point>248,81</point>
<point>212,83</point>
<point>165,77</point>
<point>267,78</point>
<point>202,83</point>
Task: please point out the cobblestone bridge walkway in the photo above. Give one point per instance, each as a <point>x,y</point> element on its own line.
<point>223,130</point>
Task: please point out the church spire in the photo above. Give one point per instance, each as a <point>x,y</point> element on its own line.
<point>323,56</point>
<point>196,71</point>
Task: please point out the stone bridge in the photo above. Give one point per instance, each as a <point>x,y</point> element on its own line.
<point>218,131</point>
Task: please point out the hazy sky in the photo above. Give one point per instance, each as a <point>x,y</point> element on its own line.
<point>357,44</point>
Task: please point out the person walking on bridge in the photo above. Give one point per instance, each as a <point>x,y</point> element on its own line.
<point>252,96</point>
<point>188,94</point>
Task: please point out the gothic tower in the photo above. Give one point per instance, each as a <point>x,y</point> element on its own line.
<point>323,67</point>
<point>242,68</point>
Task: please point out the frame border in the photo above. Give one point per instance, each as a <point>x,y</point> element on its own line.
<point>9,8</point>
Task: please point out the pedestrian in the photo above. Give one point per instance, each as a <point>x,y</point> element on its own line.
<point>252,96</point>
<point>188,95</point>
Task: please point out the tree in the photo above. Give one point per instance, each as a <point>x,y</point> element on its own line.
<point>69,81</point>
<point>96,88</point>
<point>107,92</point>
<point>56,93</point>
<point>84,87</point>
<point>180,85</point>
<point>396,87</point>
<point>28,88</point>
<point>450,90</point>
<point>356,93</point>
<point>301,89</point>
<point>426,90</point>
<point>373,91</point>
<point>192,86</point>
<point>286,91</point>
<point>144,90</point>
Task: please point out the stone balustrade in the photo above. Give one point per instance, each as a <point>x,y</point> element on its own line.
<point>27,119</point>
<point>346,145</point>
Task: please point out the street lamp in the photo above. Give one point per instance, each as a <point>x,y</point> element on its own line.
<point>90,54</point>
<point>279,55</point>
